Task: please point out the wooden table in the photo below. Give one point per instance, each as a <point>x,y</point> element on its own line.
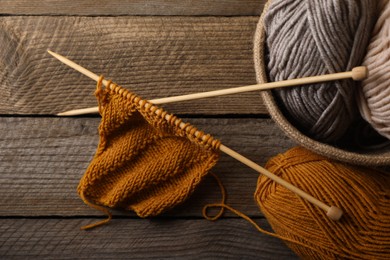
<point>157,49</point>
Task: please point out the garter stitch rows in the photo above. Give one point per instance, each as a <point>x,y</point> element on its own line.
<point>144,162</point>
<point>374,94</point>
<point>363,194</point>
<point>315,37</point>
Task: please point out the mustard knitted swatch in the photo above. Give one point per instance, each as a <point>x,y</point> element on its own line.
<point>144,162</point>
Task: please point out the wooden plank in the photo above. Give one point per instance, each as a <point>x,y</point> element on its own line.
<point>153,56</point>
<point>129,238</point>
<point>42,160</point>
<point>130,7</point>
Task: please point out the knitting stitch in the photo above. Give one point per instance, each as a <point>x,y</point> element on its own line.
<point>144,162</point>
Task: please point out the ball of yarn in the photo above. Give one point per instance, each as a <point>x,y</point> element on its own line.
<point>315,37</point>
<point>374,94</point>
<point>363,194</point>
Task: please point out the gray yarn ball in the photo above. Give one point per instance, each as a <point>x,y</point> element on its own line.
<point>315,37</point>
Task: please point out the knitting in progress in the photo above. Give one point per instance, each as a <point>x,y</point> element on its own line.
<point>315,37</point>
<point>144,162</point>
<point>374,94</point>
<point>147,162</point>
<point>363,232</point>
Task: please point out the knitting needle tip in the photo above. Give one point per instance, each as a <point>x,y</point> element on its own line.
<point>75,66</point>
<point>359,73</point>
<point>55,55</point>
<point>334,213</point>
<point>67,113</point>
<point>75,112</point>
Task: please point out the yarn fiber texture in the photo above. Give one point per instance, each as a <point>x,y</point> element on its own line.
<point>374,94</point>
<point>363,194</point>
<point>372,157</point>
<point>315,37</point>
<point>144,162</point>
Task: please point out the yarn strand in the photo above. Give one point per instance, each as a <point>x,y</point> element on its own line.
<point>222,206</point>
<point>223,201</point>
<point>261,230</point>
<point>102,209</point>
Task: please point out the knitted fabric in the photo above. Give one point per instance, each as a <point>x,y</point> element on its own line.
<point>147,160</point>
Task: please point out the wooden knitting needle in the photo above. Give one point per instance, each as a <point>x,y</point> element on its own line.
<point>331,211</point>
<point>357,73</point>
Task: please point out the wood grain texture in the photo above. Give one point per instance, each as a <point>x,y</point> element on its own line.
<point>179,50</point>
<point>43,159</point>
<point>131,7</point>
<point>153,56</point>
<point>134,239</point>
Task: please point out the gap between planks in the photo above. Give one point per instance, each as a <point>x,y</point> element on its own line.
<point>43,159</point>
<point>121,239</point>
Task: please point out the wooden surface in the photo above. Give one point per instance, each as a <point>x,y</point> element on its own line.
<point>135,239</point>
<point>51,160</point>
<point>180,47</point>
<point>43,158</point>
<point>153,56</point>
<point>131,7</point>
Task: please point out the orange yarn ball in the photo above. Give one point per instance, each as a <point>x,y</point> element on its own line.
<point>363,194</point>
